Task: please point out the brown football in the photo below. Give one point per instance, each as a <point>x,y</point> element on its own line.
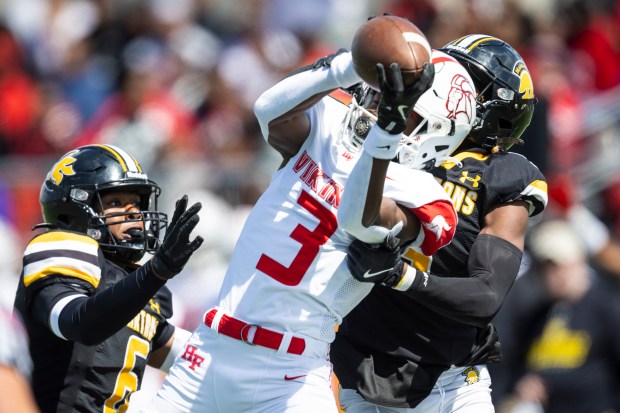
<point>389,39</point>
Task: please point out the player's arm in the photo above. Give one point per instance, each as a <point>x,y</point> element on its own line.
<point>74,313</point>
<point>163,357</point>
<point>281,110</point>
<point>492,267</point>
<point>77,311</point>
<point>381,217</point>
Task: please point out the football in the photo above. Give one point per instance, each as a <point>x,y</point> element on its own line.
<point>389,39</point>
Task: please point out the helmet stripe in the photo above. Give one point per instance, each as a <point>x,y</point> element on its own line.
<point>127,161</point>
<point>470,42</point>
<point>486,39</point>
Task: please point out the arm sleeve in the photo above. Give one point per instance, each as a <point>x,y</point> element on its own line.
<point>91,320</point>
<point>349,211</point>
<point>492,266</point>
<point>301,86</point>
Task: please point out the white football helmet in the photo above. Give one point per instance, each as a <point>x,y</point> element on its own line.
<point>447,112</point>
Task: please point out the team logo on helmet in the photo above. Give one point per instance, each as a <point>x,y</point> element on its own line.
<point>460,97</point>
<point>472,375</point>
<point>526,85</point>
<point>63,168</point>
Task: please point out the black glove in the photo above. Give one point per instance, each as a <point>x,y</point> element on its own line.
<point>326,61</point>
<point>397,101</point>
<point>375,263</point>
<point>176,248</point>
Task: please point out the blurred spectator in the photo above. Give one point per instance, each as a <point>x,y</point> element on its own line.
<point>588,28</point>
<point>142,117</point>
<point>19,100</point>
<point>15,364</point>
<point>559,330</point>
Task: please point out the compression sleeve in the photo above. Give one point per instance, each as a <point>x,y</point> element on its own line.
<point>349,211</point>
<point>301,86</point>
<point>492,266</point>
<point>91,320</point>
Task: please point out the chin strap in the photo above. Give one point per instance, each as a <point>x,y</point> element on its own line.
<point>441,159</point>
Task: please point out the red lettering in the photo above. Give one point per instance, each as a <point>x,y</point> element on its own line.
<point>190,355</point>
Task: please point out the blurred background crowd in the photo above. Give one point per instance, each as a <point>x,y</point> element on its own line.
<point>173,82</point>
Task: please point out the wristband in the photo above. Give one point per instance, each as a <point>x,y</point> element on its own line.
<point>408,278</point>
<point>382,145</point>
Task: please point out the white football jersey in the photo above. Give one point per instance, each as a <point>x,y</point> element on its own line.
<point>288,271</point>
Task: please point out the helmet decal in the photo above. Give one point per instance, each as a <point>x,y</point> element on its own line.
<point>504,86</point>
<point>442,118</point>
<point>526,86</point>
<point>63,167</point>
<point>460,97</point>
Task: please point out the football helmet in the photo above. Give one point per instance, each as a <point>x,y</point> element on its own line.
<point>444,114</point>
<point>505,102</point>
<point>71,199</point>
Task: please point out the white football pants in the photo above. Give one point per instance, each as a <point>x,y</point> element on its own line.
<point>221,374</point>
<point>457,390</point>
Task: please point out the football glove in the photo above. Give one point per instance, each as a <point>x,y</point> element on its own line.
<point>375,263</point>
<point>176,248</point>
<point>397,101</point>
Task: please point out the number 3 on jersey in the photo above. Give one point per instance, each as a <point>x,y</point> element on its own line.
<point>310,242</point>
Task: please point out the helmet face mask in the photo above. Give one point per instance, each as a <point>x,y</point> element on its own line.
<point>359,118</point>
<point>505,102</point>
<point>440,121</point>
<point>71,199</point>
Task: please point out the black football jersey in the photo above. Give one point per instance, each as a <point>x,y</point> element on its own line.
<point>389,335</point>
<point>69,376</point>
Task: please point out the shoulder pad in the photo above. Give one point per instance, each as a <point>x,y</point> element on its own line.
<point>62,253</point>
<point>513,177</point>
<point>508,176</point>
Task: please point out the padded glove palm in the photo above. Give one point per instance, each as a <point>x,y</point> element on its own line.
<point>176,248</point>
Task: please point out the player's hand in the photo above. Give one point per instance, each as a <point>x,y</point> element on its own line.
<point>375,263</point>
<point>397,101</point>
<point>176,248</point>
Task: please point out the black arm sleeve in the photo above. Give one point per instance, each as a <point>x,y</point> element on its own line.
<point>91,320</point>
<point>492,266</point>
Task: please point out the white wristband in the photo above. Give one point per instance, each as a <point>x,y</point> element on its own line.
<point>407,280</point>
<point>380,144</point>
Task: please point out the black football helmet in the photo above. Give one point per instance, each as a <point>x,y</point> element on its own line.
<point>71,199</point>
<point>505,101</point>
